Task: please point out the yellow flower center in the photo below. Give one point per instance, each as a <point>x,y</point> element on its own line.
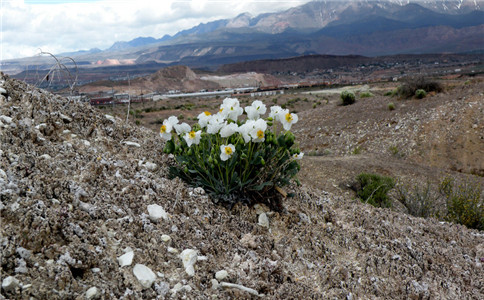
<point>228,150</point>
<point>221,110</point>
<point>163,129</point>
<point>207,113</point>
<point>288,117</point>
<point>260,134</point>
<point>191,134</point>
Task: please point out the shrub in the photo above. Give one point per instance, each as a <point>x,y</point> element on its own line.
<point>419,203</point>
<point>420,94</point>
<point>391,106</point>
<point>347,98</point>
<point>465,204</point>
<point>235,160</point>
<point>366,95</point>
<point>413,84</point>
<point>373,189</point>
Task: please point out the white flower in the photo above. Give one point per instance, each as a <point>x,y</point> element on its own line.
<point>226,151</point>
<point>298,156</point>
<point>215,123</point>
<point>228,130</point>
<point>203,118</point>
<point>245,129</point>
<point>287,119</point>
<point>258,131</point>
<point>193,137</point>
<point>255,110</point>
<point>230,109</point>
<point>166,128</point>
<point>275,112</point>
<point>182,128</point>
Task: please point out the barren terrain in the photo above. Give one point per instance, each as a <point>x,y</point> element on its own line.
<point>76,183</point>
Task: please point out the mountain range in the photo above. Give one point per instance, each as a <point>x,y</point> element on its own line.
<point>370,28</point>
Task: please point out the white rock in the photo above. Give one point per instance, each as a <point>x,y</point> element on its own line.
<point>3,175</point>
<point>150,166</point>
<point>65,118</point>
<point>6,119</point>
<point>189,258</point>
<point>3,91</point>
<point>221,275</point>
<point>86,143</point>
<point>156,212</point>
<point>263,220</point>
<point>215,284</point>
<point>172,250</point>
<point>165,238</point>
<point>128,143</point>
<point>10,283</point>
<point>92,293</point>
<point>110,118</point>
<point>45,156</point>
<point>145,276</point>
<point>126,259</point>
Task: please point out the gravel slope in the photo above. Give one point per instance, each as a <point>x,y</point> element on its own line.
<point>75,186</point>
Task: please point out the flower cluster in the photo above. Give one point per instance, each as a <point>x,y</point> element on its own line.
<point>231,152</point>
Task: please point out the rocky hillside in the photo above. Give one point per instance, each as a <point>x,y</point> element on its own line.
<point>87,211</point>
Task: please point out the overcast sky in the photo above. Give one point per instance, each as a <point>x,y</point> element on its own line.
<point>64,26</point>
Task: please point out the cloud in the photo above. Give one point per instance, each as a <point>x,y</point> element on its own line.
<point>63,26</point>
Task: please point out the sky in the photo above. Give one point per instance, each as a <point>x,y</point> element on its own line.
<point>66,26</point>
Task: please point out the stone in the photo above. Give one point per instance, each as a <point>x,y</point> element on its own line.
<point>157,212</point>
<point>263,220</point>
<point>145,276</point>
<point>6,119</point>
<point>92,293</point>
<point>126,259</point>
<point>10,283</point>
<point>133,144</point>
<point>165,238</point>
<point>189,258</point>
<point>3,91</point>
<point>221,275</point>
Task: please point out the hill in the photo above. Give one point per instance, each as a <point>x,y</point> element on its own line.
<point>75,186</point>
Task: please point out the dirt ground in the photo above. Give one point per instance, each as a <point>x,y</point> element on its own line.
<point>76,185</point>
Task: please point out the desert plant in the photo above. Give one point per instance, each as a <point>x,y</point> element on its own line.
<point>391,106</point>
<point>60,71</point>
<point>347,97</point>
<point>234,159</point>
<point>366,95</point>
<point>373,189</point>
<point>465,203</point>
<point>421,202</point>
<point>413,84</point>
<point>420,94</point>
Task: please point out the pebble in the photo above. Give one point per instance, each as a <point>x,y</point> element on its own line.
<point>92,293</point>
<point>172,250</point>
<point>10,283</point>
<point>6,119</point>
<point>126,259</point>
<point>3,91</point>
<point>150,166</point>
<point>189,258</point>
<point>165,238</point>
<point>221,275</point>
<point>145,276</point>
<point>110,118</point>
<point>263,220</point>
<point>157,212</point>
<point>128,143</point>
<point>215,284</point>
